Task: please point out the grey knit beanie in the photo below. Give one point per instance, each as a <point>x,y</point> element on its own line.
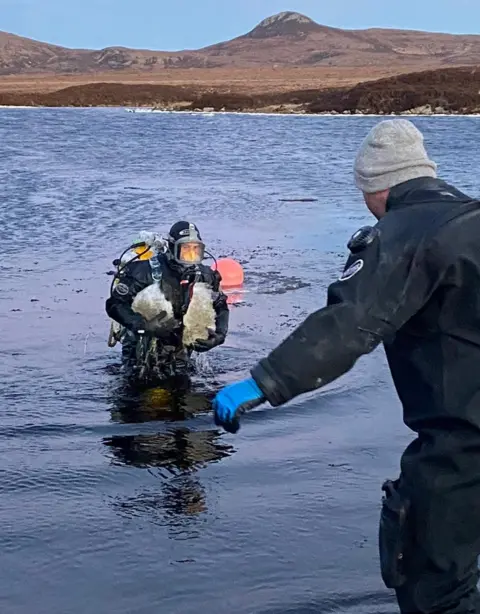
<point>393,152</point>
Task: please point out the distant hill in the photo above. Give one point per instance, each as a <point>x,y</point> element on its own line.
<point>286,39</point>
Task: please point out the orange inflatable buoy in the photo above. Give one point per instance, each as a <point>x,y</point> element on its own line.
<point>231,272</point>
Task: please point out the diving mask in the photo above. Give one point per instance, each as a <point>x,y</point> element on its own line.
<point>189,249</point>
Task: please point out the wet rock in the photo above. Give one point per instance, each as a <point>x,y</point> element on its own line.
<point>422,110</point>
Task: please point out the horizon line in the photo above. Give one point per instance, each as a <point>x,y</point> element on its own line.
<point>193,49</point>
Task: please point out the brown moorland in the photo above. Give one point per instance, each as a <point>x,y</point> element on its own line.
<point>454,90</point>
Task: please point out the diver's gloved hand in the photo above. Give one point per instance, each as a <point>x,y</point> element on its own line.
<point>233,400</point>
<point>214,339</point>
<point>155,327</point>
<point>137,325</point>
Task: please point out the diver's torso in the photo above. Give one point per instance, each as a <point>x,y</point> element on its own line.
<point>175,287</point>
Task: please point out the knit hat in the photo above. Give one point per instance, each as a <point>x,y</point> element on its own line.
<point>392,152</point>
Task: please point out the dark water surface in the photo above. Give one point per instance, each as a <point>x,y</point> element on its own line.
<point>111,502</point>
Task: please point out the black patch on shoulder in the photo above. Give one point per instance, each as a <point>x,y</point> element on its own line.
<point>361,239</point>
<point>122,289</point>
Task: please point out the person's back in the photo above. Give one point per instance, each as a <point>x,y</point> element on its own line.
<point>435,356</point>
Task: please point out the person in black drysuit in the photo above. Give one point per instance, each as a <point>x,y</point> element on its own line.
<point>412,282</point>
<point>179,266</point>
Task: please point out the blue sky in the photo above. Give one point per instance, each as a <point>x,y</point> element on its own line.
<point>189,24</point>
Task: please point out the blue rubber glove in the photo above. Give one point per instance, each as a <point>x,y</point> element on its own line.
<point>233,400</point>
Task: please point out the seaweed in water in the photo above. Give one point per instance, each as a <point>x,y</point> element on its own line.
<point>198,320</point>
<point>150,302</point>
<point>200,316</point>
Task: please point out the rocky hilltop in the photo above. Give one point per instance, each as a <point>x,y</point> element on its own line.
<point>287,23</point>
<point>284,40</point>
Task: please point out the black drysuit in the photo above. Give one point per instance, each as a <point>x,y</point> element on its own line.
<point>416,288</point>
<point>137,276</point>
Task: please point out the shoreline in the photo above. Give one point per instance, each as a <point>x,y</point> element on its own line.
<point>146,110</point>
<point>259,112</point>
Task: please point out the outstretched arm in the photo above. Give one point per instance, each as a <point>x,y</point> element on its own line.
<point>381,288</point>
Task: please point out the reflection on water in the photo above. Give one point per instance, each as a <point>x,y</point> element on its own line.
<point>235,296</point>
<point>175,402</point>
<point>179,501</point>
<point>179,451</point>
<point>180,506</point>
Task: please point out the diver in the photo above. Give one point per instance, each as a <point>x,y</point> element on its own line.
<point>168,305</point>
